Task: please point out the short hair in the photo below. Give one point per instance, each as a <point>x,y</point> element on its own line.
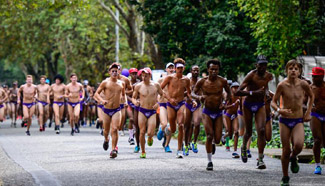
<point>58,76</point>
<point>293,62</point>
<point>43,76</point>
<point>29,76</point>
<point>179,60</point>
<point>195,66</point>
<point>213,61</point>
<point>73,74</point>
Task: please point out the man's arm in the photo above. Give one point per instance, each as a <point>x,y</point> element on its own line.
<point>19,93</point>
<point>311,98</point>
<point>49,94</point>
<point>240,91</point>
<point>97,93</point>
<point>129,88</point>
<point>227,89</point>
<point>165,82</point>
<point>196,89</point>
<point>83,92</point>
<point>135,95</point>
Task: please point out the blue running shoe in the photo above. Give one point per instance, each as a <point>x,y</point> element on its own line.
<point>167,149</point>
<point>194,147</point>
<point>186,151</point>
<point>136,149</point>
<point>160,134</point>
<point>318,170</point>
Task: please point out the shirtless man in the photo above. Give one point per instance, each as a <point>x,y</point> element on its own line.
<point>133,113</point>
<point>13,102</point>
<point>170,69</point>
<point>292,90</point>
<point>318,115</point>
<point>72,92</point>
<point>3,98</point>
<point>147,91</point>
<point>192,113</point>
<point>128,91</point>
<point>212,97</point>
<point>231,120</point>
<point>85,103</point>
<point>177,85</point>
<point>42,102</point>
<point>57,90</point>
<point>29,91</point>
<point>256,84</point>
<point>113,90</point>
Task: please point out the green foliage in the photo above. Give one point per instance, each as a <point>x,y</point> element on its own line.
<point>201,30</point>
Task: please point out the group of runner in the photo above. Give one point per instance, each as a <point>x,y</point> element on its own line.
<point>180,102</point>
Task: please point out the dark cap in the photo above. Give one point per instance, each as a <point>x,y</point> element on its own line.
<point>114,65</point>
<point>261,59</point>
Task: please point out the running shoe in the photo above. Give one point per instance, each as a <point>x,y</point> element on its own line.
<point>318,170</point>
<point>105,145</point>
<point>260,164</point>
<point>116,149</point>
<point>210,166</point>
<point>213,149</point>
<point>160,134</point>
<point>62,125</point>
<point>179,154</point>
<point>186,151</point>
<point>228,149</point>
<point>249,155</point>
<point>194,147</point>
<point>50,124</point>
<point>190,146</point>
<point>113,154</point>
<point>294,165</point>
<point>235,155</point>
<point>28,133</point>
<point>136,149</point>
<point>150,141</point>
<point>131,141</point>
<point>72,132</point>
<point>167,149</point>
<point>143,155</point>
<point>40,129</point>
<point>285,181</point>
<point>243,155</point>
<point>102,132</point>
<point>77,129</point>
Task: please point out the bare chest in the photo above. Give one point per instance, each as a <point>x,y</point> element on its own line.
<point>148,91</point>
<point>215,87</point>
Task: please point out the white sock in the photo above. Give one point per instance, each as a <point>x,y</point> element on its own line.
<point>209,157</point>
<point>130,133</point>
<point>317,164</point>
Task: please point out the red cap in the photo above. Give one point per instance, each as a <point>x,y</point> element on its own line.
<point>139,72</point>
<point>317,71</point>
<point>147,70</point>
<point>133,70</point>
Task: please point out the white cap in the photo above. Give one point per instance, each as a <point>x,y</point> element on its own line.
<point>169,64</point>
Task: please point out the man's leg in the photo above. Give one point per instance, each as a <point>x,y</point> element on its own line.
<point>136,130</point>
<point>260,118</point>
<point>107,125</point>
<point>268,130</point>
<point>197,118</point>
<point>40,115</point>
<point>187,126</point>
<point>218,130</point>
<point>209,132</point>
<point>115,124</point>
<point>248,132</point>
<point>142,121</point>
<point>171,115</point>
<point>26,115</point>
<point>123,114</point>
<point>235,129</point>
<point>316,128</point>
<point>131,123</point>
<point>180,121</point>
<point>2,112</point>
<point>76,113</point>
<point>71,116</point>
<point>285,134</point>
<point>298,135</point>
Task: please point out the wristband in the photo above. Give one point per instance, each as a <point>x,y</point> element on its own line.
<point>250,93</point>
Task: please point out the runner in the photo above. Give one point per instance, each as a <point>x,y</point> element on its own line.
<point>231,119</point>
<point>318,115</point>
<point>57,90</point>
<point>212,96</point>
<point>147,91</point>
<point>292,90</point>
<point>43,102</point>
<point>170,69</point>
<point>84,103</point>
<point>3,98</point>
<point>72,92</point>
<point>13,103</point>
<point>27,92</point>
<point>128,91</point>
<point>133,113</point>
<point>177,85</point>
<point>113,89</point>
<point>256,83</point>
<point>192,114</point>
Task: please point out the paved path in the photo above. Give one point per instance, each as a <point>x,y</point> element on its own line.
<point>49,159</point>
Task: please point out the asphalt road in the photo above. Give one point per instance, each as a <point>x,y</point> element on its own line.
<point>50,159</point>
